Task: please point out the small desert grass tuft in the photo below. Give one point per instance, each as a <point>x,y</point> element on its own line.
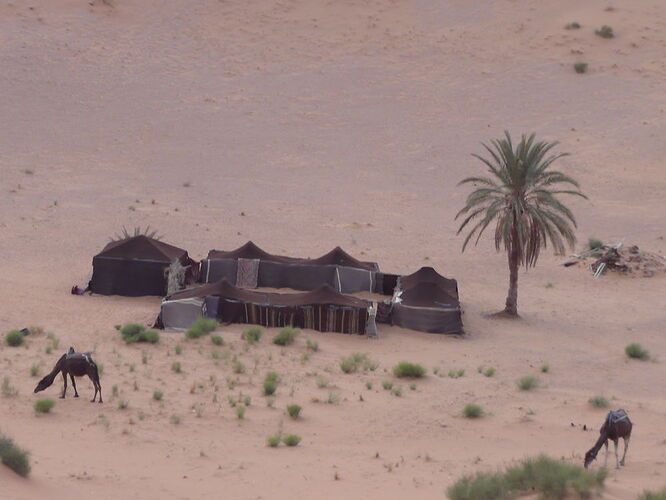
<point>580,67</point>
<point>527,383</point>
<point>545,368</point>
<point>178,350</point>
<point>8,390</point>
<point>134,332</point>
<point>594,243</point>
<point>294,411</point>
<point>217,340</point>
<point>14,338</point>
<point>550,478</point>
<point>599,402</point>
<point>201,327</point>
<point>286,336</point>
<point>357,361</point>
<point>238,367</point>
<point>158,395</point>
<point>473,411</point>
<point>291,439</point>
<point>240,412</point>
<point>312,345</point>
<point>122,404</point>
<point>176,367</point>
<point>456,373</point>
<point>34,370</point>
<point>252,334</point>
<point>387,385</point>
<point>406,369</point>
<point>489,372</point>
<point>653,495</point>
<point>44,405</point>
<point>605,32</point>
<point>637,351</point>
<point>274,440</point>
<point>572,26</point>
<point>14,457</point>
<point>175,420</point>
<point>270,383</point>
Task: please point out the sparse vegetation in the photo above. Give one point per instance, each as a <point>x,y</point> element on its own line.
<point>551,478</point>
<point>238,367</point>
<point>274,440</point>
<point>175,419</point>
<point>44,405</point>
<point>34,370</point>
<point>8,390</point>
<point>605,32</point>
<point>545,368</point>
<point>599,402</point>
<point>201,327</point>
<point>457,373</point>
<point>312,345</point>
<point>580,67</point>
<point>473,411</point>
<point>527,383</point>
<point>270,383</point>
<point>217,340</point>
<point>294,411</point>
<point>387,385</point>
<point>357,361</point>
<point>594,243</point>
<point>14,457</point>
<point>489,372</point>
<point>653,495</point>
<point>572,26</point>
<point>176,367</point>
<point>637,351</point>
<point>158,395</point>
<point>252,334</point>
<point>291,439</point>
<point>134,332</point>
<point>178,350</point>
<point>406,369</point>
<point>286,336</point>
<point>122,404</point>
<point>14,338</point>
<point>240,412</point>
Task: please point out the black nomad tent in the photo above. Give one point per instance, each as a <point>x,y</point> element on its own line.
<point>136,266</point>
<point>428,302</point>
<point>323,309</point>
<point>249,266</point>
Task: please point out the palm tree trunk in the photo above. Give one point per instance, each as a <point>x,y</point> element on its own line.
<point>514,262</point>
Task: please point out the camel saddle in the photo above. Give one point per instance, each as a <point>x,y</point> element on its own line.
<point>617,416</point>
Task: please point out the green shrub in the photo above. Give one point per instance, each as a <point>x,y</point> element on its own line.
<point>122,404</point>
<point>217,340</point>
<point>291,439</point>
<point>252,334</point>
<point>286,336</point>
<point>457,373</point>
<point>357,361</point>
<point>527,383</point>
<point>274,440</point>
<point>270,383</point>
<point>238,367</point>
<point>572,26</point>
<point>605,32</point>
<point>545,368</point>
<point>637,351</point>
<point>473,411</point>
<point>594,243</point>
<point>406,369</point>
<point>44,405</point>
<point>201,327</point>
<point>178,350</point>
<point>294,411</point>
<point>158,395</point>
<point>34,370</point>
<point>134,332</point>
<point>313,345</point>
<point>175,419</point>
<point>653,495</point>
<point>489,372</point>
<point>387,385</point>
<point>551,479</point>
<point>176,367</point>
<point>14,338</point>
<point>580,67</point>
<point>599,402</point>
<point>240,412</point>
<point>14,457</point>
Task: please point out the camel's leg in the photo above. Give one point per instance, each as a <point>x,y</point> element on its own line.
<point>76,394</point>
<point>626,445</point>
<point>617,458</point>
<point>64,388</point>
<point>606,460</point>
<point>100,390</point>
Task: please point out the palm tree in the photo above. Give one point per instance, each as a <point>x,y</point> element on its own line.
<point>521,197</point>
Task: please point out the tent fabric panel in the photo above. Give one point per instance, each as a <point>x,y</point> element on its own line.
<point>131,278</point>
<point>213,270</point>
<point>142,247</point>
<point>294,276</point>
<point>429,275</point>
<point>428,320</point>
<point>180,314</point>
<point>350,280</point>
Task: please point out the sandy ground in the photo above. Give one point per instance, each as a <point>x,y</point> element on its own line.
<point>326,123</point>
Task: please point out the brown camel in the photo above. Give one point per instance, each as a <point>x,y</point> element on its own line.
<point>74,364</point>
<point>617,425</point>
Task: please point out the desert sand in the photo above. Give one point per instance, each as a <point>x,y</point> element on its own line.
<point>325,123</point>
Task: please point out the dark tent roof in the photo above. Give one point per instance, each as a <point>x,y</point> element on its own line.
<point>249,251</point>
<point>339,257</point>
<point>142,248</point>
<point>322,295</point>
<point>428,295</point>
<point>429,275</point>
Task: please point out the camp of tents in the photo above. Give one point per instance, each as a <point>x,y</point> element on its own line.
<point>229,282</point>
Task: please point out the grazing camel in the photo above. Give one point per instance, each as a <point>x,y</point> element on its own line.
<point>617,425</point>
<point>74,364</point>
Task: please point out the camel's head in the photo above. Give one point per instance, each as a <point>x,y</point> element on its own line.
<point>43,384</point>
<point>590,456</point>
